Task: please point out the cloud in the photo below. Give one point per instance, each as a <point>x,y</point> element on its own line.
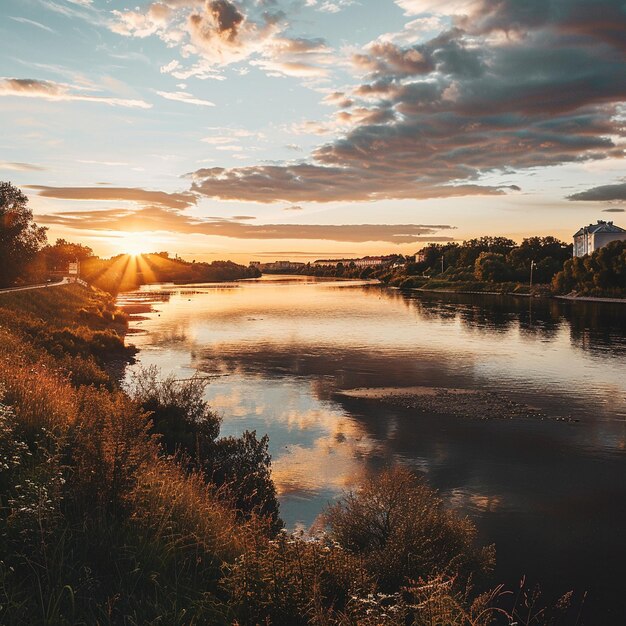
<point>432,119</point>
<point>165,212</point>
<point>318,183</point>
<point>604,193</point>
<point>106,163</point>
<point>187,98</point>
<point>293,207</point>
<point>126,194</point>
<point>330,6</point>
<point>24,20</point>
<point>218,33</point>
<point>60,92</point>
<point>162,218</point>
<point>21,167</point>
<point>614,210</point>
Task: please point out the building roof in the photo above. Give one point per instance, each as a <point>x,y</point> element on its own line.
<point>600,227</point>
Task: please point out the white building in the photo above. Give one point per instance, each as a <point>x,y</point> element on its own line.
<point>366,261</point>
<point>590,238</point>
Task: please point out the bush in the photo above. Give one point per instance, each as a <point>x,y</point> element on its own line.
<point>179,412</point>
<point>186,425</point>
<point>241,467</point>
<point>401,529</point>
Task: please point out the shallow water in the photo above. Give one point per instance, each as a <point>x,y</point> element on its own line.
<point>551,494</point>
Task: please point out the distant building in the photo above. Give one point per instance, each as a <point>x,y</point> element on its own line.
<point>420,257</point>
<point>256,264</point>
<point>366,261</point>
<point>590,238</point>
<point>279,266</point>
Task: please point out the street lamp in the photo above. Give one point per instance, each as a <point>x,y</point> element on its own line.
<point>532,266</point>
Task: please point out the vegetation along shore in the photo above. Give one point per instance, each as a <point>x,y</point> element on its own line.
<point>539,266</point>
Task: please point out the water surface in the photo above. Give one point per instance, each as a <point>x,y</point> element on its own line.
<point>551,494</point>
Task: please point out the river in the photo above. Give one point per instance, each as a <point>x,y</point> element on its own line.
<point>550,493</point>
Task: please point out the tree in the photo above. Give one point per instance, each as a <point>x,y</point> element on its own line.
<point>602,273</point>
<point>491,267</point>
<point>64,252</point>
<point>20,237</point>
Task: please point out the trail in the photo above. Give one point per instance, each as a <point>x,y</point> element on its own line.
<point>65,281</point>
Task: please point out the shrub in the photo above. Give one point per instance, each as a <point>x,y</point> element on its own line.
<point>179,412</point>
<point>402,530</point>
<point>241,467</point>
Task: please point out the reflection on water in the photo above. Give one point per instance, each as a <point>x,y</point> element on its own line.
<point>552,495</point>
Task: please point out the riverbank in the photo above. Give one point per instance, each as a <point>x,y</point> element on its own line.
<point>516,294</point>
<point>591,299</point>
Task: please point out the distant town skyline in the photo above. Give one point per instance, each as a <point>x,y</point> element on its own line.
<point>305,129</point>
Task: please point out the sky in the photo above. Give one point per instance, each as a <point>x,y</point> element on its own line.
<point>274,129</point>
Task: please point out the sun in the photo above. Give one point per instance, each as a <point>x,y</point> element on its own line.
<point>133,244</point>
<point>134,251</point>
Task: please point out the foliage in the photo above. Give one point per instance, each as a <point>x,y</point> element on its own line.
<point>179,412</point>
<point>491,267</point>
<point>241,467</point>
<point>20,237</point>
<point>481,264</point>
<point>602,273</point>
<point>401,529</point>
<point>186,425</point>
<point>59,255</point>
<point>290,581</point>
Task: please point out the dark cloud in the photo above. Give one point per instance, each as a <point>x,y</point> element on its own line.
<point>601,20</point>
<point>430,120</point>
<point>320,183</point>
<point>293,207</point>
<point>159,218</point>
<point>226,16</point>
<point>613,210</point>
<point>604,193</point>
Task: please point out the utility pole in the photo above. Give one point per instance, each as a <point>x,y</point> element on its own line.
<point>442,263</point>
<point>532,265</point>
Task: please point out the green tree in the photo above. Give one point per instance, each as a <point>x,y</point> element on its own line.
<point>491,267</point>
<point>602,273</point>
<point>20,237</point>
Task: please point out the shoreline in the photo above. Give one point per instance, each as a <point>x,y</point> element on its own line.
<point>597,299</point>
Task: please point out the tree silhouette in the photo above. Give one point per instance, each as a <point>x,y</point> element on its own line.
<point>20,237</point>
